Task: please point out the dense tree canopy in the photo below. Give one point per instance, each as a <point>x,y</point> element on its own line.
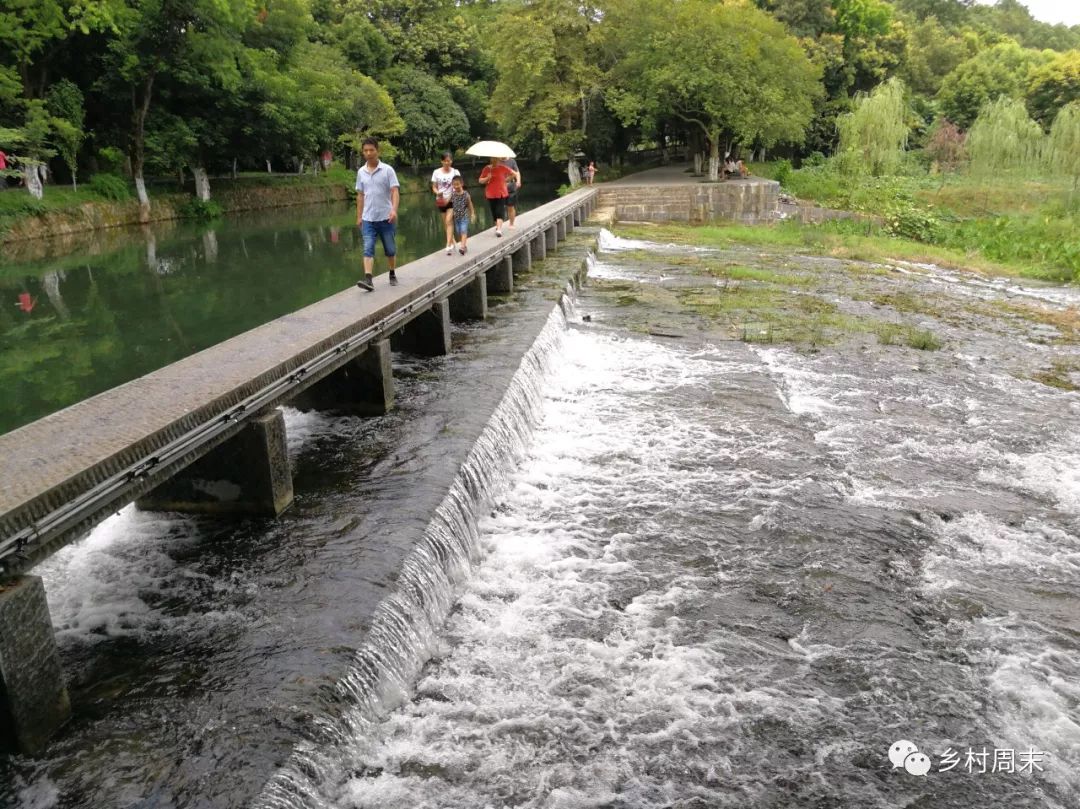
<point>728,70</point>
<point>203,86</point>
<point>1001,70</point>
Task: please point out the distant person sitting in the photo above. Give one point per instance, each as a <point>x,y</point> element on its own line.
<point>743,171</point>
<point>730,169</point>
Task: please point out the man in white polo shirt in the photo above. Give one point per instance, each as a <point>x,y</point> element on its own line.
<point>377,196</point>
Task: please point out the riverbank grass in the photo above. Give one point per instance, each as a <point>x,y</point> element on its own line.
<point>1021,225</point>
<point>845,240</point>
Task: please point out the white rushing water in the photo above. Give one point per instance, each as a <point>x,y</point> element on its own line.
<point>680,574</point>
<point>725,577</point>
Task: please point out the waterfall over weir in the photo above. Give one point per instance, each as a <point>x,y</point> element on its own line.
<point>407,623</point>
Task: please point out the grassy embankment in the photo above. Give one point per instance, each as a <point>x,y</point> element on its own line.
<point>1007,225</point>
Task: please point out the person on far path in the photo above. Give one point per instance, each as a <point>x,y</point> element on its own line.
<point>378,193</point>
<point>590,172</point>
<point>461,202</point>
<point>442,180</point>
<point>493,178</point>
<point>513,185</point>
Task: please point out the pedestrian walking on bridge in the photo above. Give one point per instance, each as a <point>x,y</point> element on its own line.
<point>378,193</point>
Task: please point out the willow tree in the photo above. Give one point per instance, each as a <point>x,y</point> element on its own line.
<point>728,70</point>
<point>1063,145</point>
<point>1005,140</point>
<point>873,135</point>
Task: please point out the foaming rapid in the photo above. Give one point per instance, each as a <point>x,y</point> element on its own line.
<point>608,242</point>
<point>988,462</point>
<point>405,628</point>
<point>125,578</point>
<point>989,288</point>
<point>726,576</point>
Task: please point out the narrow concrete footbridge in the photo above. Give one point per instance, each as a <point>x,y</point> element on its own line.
<point>205,434</point>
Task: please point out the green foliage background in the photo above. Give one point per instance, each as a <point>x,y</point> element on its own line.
<point>156,89</point>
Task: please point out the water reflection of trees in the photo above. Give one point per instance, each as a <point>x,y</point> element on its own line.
<point>105,319</point>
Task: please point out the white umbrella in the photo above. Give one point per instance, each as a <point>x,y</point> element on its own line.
<point>490,148</point>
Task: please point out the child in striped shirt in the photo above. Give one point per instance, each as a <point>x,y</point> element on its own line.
<point>463,213</point>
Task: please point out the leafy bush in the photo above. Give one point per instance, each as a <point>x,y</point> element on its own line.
<point>109,186</point>
<point>1044,240</point>
<point>196,208</point>
<point>912,222</point>
<point>111,159</point>
<point>814,160</point>
<point>14,204</point>
<point>782,172</point>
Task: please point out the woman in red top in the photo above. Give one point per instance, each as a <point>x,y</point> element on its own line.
<point>493,178</point>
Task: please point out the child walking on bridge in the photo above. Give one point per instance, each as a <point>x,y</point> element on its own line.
<point>463,213</point>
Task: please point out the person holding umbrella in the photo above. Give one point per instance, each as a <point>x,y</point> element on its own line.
<point>495,176</point>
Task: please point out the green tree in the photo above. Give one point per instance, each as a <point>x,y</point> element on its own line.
<point>65,105</point>
<point>863,18</point>
<point>346,25</point>
<point>1013,19</point>
<point>804,18</point>
<point>545,78</point>
<point>433,120</point>
<point>28,146</point>
<point>1004,140</point>
<point>1053,86</point>
<point>1063,144</point>
<point>316,100</point>
<point>157,37</point>
<point>1001,70</point>
<point>933,53</point>
<point>33,32</point>
<point>730,71</point>
<point>434,34</point>
<point>873,135</point>
<point>947,12</point>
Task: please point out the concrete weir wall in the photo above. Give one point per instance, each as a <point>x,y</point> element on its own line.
<point>751,201</point>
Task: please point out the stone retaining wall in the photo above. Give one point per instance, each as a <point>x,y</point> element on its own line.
<point>99,215</point>
<point>750,201</point>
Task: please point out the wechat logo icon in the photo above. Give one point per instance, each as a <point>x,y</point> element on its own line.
<point>905,754</point>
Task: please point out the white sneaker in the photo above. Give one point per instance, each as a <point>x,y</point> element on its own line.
<point>498,233</point>
<point>449,250</point>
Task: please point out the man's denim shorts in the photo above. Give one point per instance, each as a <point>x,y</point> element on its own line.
<point>385,230</point>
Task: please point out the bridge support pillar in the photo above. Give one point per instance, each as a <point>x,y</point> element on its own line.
<point>248,474</point>
<point>33,698</point>
<point>364,385</point>
<point>568,222</point>
<point>427,334</point>
<point>578,216</point>
<point>523,258</point>
<point>551,237</point>
<point>470,302</point>
<point>500,278</point>
<point>560,230</point>
<point>539,247</point>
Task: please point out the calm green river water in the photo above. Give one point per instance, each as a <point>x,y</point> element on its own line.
<point>82,323</point>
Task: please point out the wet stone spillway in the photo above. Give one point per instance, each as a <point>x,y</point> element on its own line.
<point>678,559</point>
